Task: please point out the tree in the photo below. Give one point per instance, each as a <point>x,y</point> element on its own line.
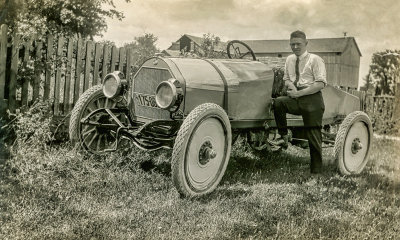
<point>385,71</point>
<point>8,11</point>
<point>212,47</point>
<point>79,18</point>
<point>368,85</point>
<point>143,47</point>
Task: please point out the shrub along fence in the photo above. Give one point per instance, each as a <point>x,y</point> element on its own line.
<point>385,113</point>
<point>55,69</point>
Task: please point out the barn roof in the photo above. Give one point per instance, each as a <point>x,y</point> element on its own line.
<point>337,45</point>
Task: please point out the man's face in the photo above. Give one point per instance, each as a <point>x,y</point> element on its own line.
<point>298,45</point>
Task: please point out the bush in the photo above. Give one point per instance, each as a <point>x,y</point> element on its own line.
<point>30,130</point>
<point>382,125</point>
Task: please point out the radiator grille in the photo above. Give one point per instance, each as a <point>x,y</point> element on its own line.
<point>145,83</point>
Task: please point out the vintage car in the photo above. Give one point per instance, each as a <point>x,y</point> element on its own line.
<point>199,106</point>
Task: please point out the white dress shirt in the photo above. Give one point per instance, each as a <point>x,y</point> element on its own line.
<point>311,68</point>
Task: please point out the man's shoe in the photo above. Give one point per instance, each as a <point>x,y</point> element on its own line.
<point>283,141</point>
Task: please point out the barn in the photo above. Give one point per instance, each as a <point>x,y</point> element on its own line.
<point>190,43</point>
<point>341,56</point>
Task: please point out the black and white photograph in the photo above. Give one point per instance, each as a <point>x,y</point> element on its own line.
<point>199,119</point>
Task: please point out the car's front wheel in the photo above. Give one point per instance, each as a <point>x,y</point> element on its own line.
<point>201,150</point>
<point>98,133</point>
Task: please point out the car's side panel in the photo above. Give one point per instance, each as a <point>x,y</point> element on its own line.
<point>250,87</point>
<point>203,82</point>
<point>338,102</point>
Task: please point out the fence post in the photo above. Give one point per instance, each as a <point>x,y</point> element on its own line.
<point>114,57</point>
<point>396,109</point>
<point>49,64</point>
<point>38,71</point>
<point>78,69</point>
<point>122,57</point>
<point>3,62</point>
<point>88,64</point>
<point>25,85</point>
<point>129,64</point>
<point>67,86</point>
<point>57,82</point>
<point>106,52</point>
<point>98,52</point>
<point>13,74</point>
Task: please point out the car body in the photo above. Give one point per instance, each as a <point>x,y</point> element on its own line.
<point>198,107</point>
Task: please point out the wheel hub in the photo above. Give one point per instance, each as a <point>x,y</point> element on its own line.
<point>356,145</point>
<point>206,153</point>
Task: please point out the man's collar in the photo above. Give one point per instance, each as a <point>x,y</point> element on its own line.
<point>303,55</point>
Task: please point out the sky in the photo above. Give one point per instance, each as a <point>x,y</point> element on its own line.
<point>375,24</point>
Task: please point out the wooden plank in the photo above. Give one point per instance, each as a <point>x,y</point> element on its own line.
<point>3,60</point>
<point>122,57</point>
<point>49,64</point>
<point>363,101</point>
<point>129,64</point>
<point>60,51</point>
<point>38,71</point>
<point>13,74</point>
<point>396,105</point>
<point>97,56</point>
<point>25,84</point>
<point>67,86</point>
<point>114,57</point>
<point>78,69</point>
<point>88,64</point>
<point>106,53</point>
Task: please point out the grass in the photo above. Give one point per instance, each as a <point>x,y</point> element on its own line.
<point>62,194</point>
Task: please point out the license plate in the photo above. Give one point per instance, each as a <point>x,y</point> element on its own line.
<point>145,100</point>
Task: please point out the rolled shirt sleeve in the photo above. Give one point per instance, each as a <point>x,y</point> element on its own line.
<point>319,70</point>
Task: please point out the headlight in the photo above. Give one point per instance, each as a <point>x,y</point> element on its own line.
<point>166,94</point>
<point>113,83</point>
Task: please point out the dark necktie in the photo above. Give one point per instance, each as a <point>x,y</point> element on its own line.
<point>297,72</point>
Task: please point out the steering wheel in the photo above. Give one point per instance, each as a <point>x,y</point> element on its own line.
<point>233,50</point>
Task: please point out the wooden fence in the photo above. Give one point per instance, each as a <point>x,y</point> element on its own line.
<point>55,69</point>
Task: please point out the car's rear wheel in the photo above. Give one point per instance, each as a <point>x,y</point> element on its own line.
<point>201,151</point>
<point>98,133</point>
<point>353,142</point>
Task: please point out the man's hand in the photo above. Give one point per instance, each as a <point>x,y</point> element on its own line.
<point>294,93</point>
<point>289,85</point>
<point>313,88</point>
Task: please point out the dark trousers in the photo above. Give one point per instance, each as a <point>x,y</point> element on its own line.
<point>311,108</point>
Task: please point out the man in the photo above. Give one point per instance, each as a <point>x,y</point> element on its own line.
<point>305,76</point>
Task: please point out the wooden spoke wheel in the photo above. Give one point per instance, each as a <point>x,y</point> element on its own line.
<point>353,143</point>
<point>201,150</point>
<point>98,133</point>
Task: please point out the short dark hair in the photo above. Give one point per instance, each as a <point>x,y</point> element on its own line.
<point>298,34</point>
